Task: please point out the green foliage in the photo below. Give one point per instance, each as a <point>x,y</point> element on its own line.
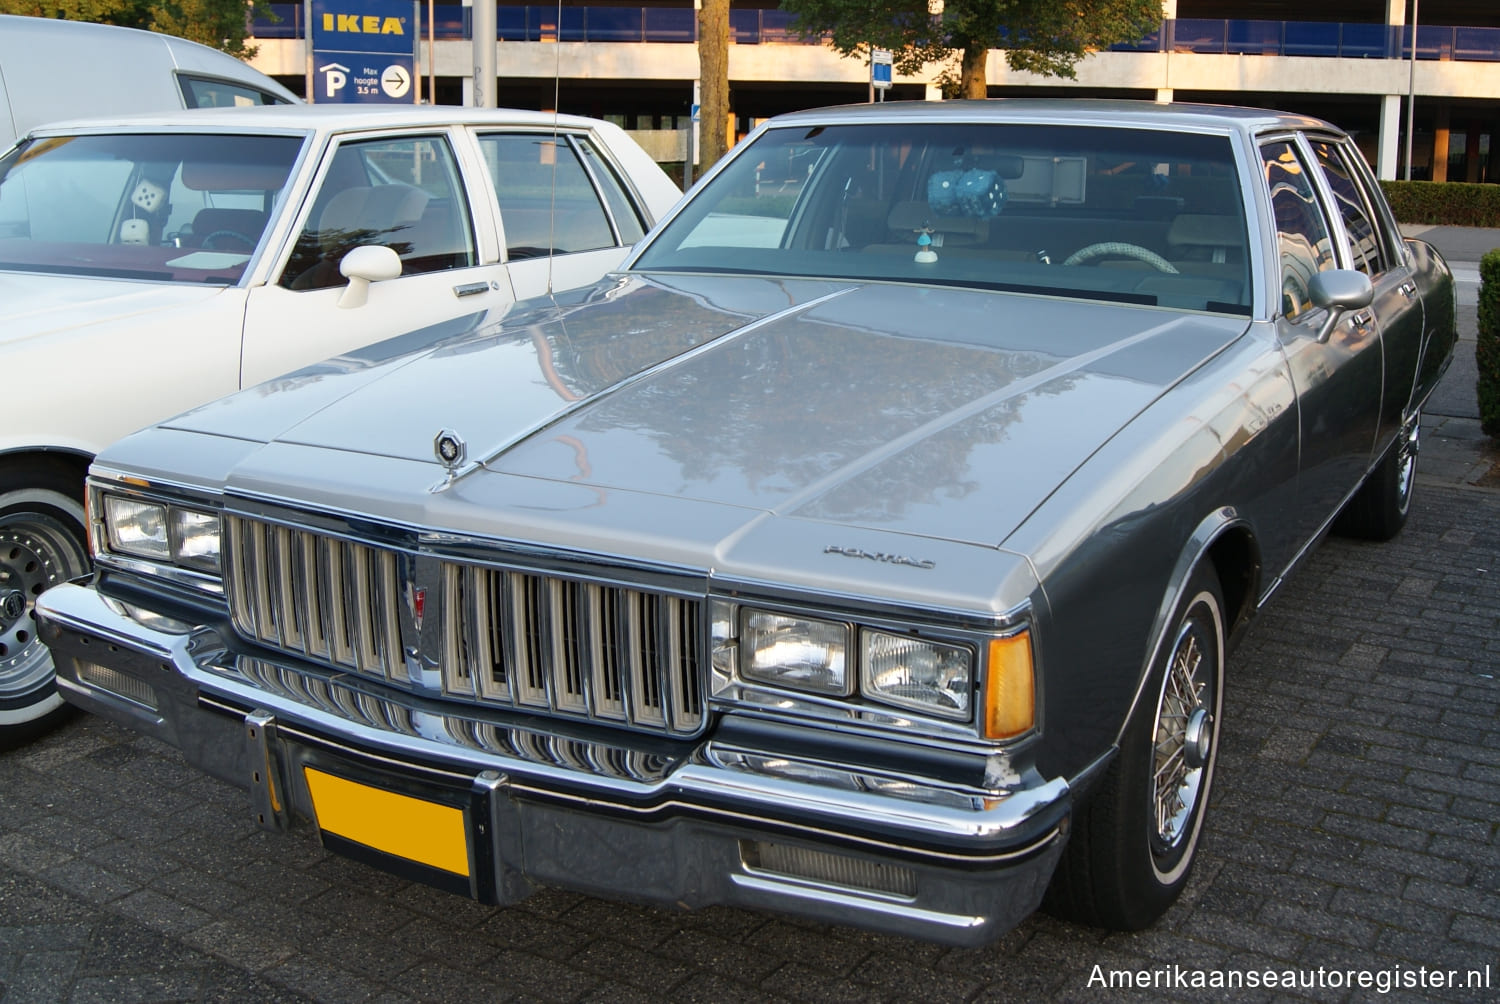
<point>1487,349</point>
<point>1451,203</point>
<point>219,24</point>
<point>1048,37</point>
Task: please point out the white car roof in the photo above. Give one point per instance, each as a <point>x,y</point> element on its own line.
<point>322,118</point>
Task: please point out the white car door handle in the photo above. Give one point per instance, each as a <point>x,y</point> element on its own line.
<point>471,289</point>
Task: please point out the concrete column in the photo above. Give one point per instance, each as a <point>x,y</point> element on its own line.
<point>1395,12</point>
<point>1168,13</point>
<point>1390,137</point>
<point>1440,145</point>
<point>933,93</point>
<point>486,25</point>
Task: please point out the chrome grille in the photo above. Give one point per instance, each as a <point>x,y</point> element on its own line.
<point>575,648</point>
<point>317,596</point>
<point>539,643</point>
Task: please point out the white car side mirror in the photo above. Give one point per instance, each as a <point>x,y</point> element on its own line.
<point>364,265</point>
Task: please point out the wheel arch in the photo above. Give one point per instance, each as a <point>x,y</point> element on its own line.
<point>1223,540</point>
<point>70,462</point>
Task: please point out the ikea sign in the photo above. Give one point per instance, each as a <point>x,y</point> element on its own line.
<point>363,24</point>
<point>368,26</point>
<point>364,52</point>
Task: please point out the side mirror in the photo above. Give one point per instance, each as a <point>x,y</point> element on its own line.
<point>366,264</point>
<point>1337,292</point>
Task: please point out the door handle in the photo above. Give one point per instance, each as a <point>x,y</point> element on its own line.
<point>1363,319</point>
<point>1408,289</point>
<point>471,289</point>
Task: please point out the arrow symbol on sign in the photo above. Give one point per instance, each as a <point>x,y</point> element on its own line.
<point>395,79</point>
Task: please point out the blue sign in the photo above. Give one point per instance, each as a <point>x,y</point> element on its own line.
<point>880,68</point>
<point>363,51</point>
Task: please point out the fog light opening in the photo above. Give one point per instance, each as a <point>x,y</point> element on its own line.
<point>117,684</point>
<point>826,868</point>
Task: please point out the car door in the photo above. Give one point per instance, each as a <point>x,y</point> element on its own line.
<point>1337,378</point>
<point>406,191</point>
<point>1396,307</point>
<point>566,216</point>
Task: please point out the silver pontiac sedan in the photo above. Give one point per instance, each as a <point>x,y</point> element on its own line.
<point>868,548</point>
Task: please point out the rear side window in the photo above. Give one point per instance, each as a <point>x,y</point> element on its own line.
<point>1364,238</point>
<point>548,204</point>
<point>627,218</point>
<point>206,92</point>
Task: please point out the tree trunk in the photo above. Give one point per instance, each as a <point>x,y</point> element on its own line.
<point>713,75</point>
<point>972,82</point>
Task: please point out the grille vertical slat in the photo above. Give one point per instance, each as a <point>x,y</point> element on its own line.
<point>644,635</point>
<point>543,643</point>
<point>566,623</point>
<point>604,652</point>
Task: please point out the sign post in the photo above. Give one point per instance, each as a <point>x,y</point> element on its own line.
<point>364,52</point>
<point>880,72</point>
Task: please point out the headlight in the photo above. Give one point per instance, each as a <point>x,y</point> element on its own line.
<point>137,528</point>
<point>795,652</point>
<point>159,532</point>
<point>194,538</point>
<point>914,673</point>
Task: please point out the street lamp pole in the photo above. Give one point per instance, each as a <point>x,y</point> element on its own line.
<point>1411,89</point>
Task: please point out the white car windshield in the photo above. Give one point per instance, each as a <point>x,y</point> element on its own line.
<point>1154,217</point>
<point>167,207</point>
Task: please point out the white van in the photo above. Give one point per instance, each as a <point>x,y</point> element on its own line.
<point>51,70</point>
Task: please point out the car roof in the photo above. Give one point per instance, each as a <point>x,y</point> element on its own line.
<point>319,118</point>
<point>1079,111</point>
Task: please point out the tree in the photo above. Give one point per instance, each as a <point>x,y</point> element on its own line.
<point>713,77</point>
<point>1048,37</point>
<point>220,24</point>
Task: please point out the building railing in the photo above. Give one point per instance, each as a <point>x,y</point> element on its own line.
<point>755,27</point>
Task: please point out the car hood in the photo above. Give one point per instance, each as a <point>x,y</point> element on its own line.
<point>936,412</point>
<point>38,304</point>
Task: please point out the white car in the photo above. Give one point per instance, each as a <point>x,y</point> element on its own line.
<point>152,265</point>
<point>52,69</point>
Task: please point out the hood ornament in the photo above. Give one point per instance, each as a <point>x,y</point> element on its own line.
<point>450,450</point>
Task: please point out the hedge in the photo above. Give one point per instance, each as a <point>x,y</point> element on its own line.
<point>1452,203</point>
<point>1487,349</point>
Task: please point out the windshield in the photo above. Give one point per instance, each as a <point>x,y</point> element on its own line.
<point>1130,215</point>
<point>164,207</point>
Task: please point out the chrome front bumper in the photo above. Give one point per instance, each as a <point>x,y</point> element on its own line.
<point>545,802</point>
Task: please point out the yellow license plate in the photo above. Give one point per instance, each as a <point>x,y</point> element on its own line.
<point>410,828</point>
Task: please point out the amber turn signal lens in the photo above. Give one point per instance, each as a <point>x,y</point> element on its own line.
<point>1009,688</point>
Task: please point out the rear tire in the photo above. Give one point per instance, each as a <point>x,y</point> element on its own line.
<point>1135,839</point>
<point>1379,509</point>
<point>42,544</point>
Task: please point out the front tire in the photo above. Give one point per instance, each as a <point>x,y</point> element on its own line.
<point>1135,840</point>
<point>41,545</point>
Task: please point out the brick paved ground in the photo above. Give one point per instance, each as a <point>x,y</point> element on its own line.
<point>1354,825</point>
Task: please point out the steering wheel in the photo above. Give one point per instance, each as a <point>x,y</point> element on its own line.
<point>1119,249</point>
<point>208,241</point>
